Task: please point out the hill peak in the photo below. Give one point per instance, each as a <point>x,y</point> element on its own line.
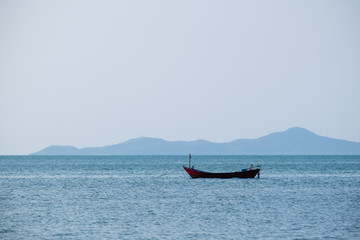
<point>298,130</point>
<point>145,139</point>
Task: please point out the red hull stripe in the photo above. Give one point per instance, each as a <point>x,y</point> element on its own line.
<point>201,174</point>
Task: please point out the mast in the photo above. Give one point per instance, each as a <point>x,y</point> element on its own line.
<point>189,160</point>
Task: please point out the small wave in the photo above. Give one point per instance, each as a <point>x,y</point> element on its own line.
<point>62,176</point>
<point>6,231</point>
<point>62,234</point>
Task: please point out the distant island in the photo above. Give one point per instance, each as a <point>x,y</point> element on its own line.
<point>294,141</point>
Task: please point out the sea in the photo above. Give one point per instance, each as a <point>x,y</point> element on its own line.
<point>152,197</point>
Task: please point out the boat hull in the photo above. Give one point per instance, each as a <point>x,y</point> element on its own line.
<point>194,173</point>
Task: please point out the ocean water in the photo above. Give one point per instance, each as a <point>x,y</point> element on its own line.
<point>152,197</point>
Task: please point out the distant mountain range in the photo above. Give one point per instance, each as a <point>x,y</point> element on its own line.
<point>294,141</point>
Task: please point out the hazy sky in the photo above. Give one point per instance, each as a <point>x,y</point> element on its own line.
<point>94,73</point>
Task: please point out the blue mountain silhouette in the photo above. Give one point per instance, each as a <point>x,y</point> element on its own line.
<point>294,141</point>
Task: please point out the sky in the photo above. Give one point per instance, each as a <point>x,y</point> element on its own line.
<point>95,73</point>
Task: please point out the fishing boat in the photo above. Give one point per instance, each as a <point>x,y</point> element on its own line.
<point>244,173</point>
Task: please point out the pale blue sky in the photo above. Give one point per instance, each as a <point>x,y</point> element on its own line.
<point>95,73</point>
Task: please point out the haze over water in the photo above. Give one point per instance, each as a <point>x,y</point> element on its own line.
<point>151,197</point>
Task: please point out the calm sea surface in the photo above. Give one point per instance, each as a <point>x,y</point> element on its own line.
<point>152,197</point>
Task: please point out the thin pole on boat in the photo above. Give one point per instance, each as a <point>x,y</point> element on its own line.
<point>189,160</point>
